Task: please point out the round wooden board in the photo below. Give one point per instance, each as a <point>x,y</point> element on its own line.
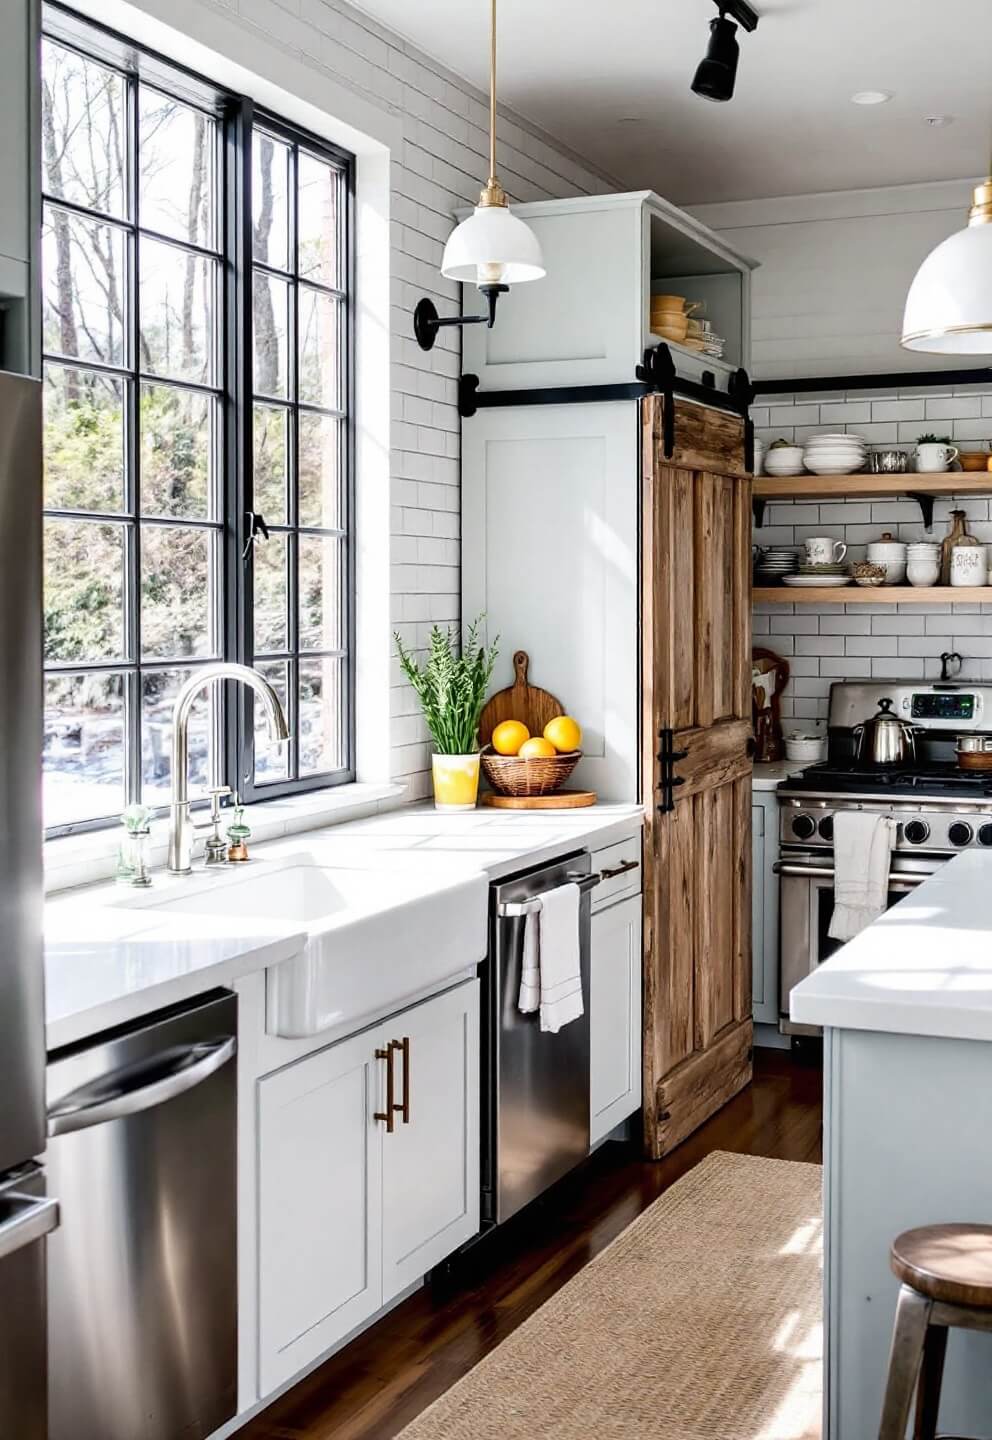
<point>520,701</point>
<point>561,800</point>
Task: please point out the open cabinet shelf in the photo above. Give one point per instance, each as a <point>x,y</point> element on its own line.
<point>861,484</point>
<point>872,595</point>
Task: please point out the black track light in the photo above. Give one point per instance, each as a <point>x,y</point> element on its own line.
<point>717,72</point>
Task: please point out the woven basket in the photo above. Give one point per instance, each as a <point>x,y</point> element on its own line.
<point>509,775</point>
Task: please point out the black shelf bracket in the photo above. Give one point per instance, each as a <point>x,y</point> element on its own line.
<point>758,503</point>
<point>925,503</point>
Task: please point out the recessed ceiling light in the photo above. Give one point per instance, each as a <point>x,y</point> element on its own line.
<point>871,97</point>
<point>938,122</point>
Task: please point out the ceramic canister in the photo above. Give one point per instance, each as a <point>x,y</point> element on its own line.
<point>969,565</point>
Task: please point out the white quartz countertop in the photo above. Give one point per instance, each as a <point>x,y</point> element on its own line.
<point>110,957</point>
<point>923,968</point>
<point>769,776</point>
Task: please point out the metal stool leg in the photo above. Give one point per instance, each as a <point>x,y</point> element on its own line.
<point>905,1360</point>
<point>931,1375</point>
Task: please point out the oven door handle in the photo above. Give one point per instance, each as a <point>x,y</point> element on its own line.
<point>825,872</point>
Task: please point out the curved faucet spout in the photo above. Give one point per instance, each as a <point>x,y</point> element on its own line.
<point>181,836</point>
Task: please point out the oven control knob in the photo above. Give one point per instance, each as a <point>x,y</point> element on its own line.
<point>917,832</point>
<point>985,835</point>
<point>826,828</point>
<point>804,827</point>
<point>960,833</point>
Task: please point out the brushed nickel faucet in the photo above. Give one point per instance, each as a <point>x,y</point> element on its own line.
<point>181,827</point>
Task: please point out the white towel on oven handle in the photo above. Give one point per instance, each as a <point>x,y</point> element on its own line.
<point>862,851</point>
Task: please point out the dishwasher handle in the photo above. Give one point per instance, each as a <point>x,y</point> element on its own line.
<point>128,1091</point>
<point>512,909</point>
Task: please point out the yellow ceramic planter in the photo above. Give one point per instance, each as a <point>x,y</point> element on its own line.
<point>456,781</point>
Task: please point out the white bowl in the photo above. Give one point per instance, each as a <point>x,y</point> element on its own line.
<point>802,748</point>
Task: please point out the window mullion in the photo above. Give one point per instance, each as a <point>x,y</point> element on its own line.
<point>132,748</point>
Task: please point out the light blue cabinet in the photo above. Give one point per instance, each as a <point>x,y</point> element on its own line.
<point>764,907</point>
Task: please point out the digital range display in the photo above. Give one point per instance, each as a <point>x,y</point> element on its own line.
<point>944,707</point>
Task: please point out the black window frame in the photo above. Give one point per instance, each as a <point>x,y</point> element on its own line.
<point>238,120</point>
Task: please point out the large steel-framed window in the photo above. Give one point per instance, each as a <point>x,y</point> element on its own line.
<point>149,296</point>
<point>301,442</point>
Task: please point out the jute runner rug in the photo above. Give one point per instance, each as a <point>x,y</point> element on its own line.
<point>701,1321</point>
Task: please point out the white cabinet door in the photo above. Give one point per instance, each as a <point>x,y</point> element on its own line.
<point>319,1216</point>
<point>615,1016</point>
<point>757,908</point>
<point>550,554</point>
<point>430,1162</point>
<point>764,908</point>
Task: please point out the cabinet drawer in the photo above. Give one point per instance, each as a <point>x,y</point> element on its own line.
<point>620,867</point>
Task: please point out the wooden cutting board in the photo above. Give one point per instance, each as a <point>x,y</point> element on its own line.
<point>560,800</point>
<point>519,701</point>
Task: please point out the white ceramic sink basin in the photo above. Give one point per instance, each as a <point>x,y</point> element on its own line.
<point>376,938</point>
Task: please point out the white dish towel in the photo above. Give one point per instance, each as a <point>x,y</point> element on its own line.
<point>862,849</point>
<point>550,977</point>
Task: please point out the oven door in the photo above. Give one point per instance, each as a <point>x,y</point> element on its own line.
<point>806,901</point>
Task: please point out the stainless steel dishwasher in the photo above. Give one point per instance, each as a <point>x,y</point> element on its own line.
<point>142,1274</point>
<point>535,1114</point>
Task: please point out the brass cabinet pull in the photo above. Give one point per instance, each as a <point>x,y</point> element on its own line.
<point>404,1048</point>
<point>387,1114</point>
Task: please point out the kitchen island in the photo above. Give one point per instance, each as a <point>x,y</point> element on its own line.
<point>907,1014</point>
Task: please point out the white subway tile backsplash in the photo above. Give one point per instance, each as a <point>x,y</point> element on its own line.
<point>888,410</point>
<point>899,669</point>
<point>847,667</point>
<point>972,430</point>
<point>871,645</point>
<point>845,412</point>
<point>845,624</point>
<point>899,624</point>
<point>958,407</point>
<point>794,415</point>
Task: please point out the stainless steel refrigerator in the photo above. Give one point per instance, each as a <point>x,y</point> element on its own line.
<point>26,1214</point>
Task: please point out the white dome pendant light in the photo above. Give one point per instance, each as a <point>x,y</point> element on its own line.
<point>949,306</point>
<point>492,248</point>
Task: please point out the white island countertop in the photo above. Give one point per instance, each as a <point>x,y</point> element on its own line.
<point>923,968</point>
<point>110,957</point>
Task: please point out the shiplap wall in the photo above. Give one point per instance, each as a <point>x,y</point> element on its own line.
<point>828,300</point>
<point>439,165</point>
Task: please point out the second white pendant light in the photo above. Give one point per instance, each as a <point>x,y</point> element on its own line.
<point>949,306</point>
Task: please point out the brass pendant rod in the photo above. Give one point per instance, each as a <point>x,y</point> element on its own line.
<point>492,93</point>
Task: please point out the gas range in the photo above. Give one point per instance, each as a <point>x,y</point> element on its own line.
<point>940,809</point>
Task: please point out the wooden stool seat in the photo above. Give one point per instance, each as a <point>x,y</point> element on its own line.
<point>949,1263</point>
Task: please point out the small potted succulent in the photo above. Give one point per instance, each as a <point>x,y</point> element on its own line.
<point>452,686</point>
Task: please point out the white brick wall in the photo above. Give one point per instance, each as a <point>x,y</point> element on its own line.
<point>873,641</point>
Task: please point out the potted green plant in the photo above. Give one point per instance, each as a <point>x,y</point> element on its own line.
<point>451,686</point>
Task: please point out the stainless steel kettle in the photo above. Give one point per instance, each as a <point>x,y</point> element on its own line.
<point>885,739</point>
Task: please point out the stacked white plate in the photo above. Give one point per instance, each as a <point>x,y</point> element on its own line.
<point>776,562</point>
<point>835,454</point>
<point>810,582</point>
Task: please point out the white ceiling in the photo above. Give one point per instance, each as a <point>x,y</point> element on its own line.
<point>610,78</point>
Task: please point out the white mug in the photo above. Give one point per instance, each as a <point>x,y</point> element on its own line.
<point>932,457</point>
<point>821,550</point>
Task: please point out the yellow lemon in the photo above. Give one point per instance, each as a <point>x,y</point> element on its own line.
<point>509,736</point>
<point>536,749</point>
<point>564,733</point>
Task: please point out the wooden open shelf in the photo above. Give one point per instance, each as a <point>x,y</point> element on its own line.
<point>848,487</point>
<point>872,594</point>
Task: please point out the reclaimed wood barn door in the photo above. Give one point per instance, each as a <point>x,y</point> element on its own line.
<point>696,767</point>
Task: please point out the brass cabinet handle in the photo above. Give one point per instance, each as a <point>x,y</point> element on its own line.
<point>387,1114</point>
<point>403,1046</point>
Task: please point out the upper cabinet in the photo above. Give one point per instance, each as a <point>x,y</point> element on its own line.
<point>588,321</point>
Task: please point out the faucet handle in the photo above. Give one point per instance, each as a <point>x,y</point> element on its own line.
<point>217,793</point>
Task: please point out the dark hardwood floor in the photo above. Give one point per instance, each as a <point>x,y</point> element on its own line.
<point>374,1387</point>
